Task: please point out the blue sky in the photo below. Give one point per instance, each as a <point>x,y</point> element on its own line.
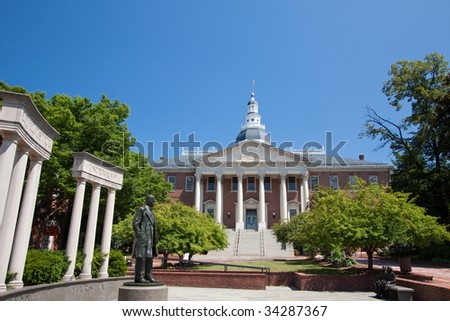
<point>187,66</point>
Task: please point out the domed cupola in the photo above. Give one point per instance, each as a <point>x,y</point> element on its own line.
<point>253,129</point>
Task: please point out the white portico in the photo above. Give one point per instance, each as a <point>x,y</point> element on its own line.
<point>90,169</point>
<point>259,165</point>
<point>26,140</point>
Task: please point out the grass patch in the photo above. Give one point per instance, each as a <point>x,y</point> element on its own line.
<point>303,266</point>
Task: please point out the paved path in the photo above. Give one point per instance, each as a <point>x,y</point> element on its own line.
<point>439,271</point>
<point>272,293</point>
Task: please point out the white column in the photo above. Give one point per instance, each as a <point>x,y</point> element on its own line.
<point>240,204</point>
<point>201,195</point>
<point>107,230</point>
<point>198,178</point>
<point>24,223</point>
<point>12,205</point>
<point>89,240</point>
<point>218,211</point>
<point>262,224</point>
<point>305,193</point>
<point>283,198</point>
<point>7,158</point>
<point>74,229</point>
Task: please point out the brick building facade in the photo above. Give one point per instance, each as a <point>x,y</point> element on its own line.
<point>252,184</point>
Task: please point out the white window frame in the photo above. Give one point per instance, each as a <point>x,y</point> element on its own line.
<point>254,184</point>
<point>337,182</point>
<point>186,184</point>
<point>169,178</point>
<point>311,181</point>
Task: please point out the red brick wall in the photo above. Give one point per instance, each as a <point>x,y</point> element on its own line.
<point>232,280</point>
<point>179,192</point>
<point>425,291</point>
<point>346,283</point>
<point>344,177</point>
<point>271,197</point>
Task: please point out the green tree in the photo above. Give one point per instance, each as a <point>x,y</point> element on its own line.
<point>181,229</point>
<point>420,143</point>
<point>367,217</point>
<point>100,129</point>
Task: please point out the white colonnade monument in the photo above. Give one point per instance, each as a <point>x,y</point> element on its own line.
<point>26,141</point>
<point>90,169</point>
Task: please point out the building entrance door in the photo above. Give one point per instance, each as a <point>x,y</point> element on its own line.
<point>250,221</point>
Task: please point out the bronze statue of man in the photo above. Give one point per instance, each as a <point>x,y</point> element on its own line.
<point>145,241</point>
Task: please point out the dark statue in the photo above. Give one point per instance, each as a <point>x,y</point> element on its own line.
<point>386,280</point>
<point>145,241</point>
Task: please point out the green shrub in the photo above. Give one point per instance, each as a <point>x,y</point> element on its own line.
<point>338,259</point>
<point>436,253</point>
<point>43,267</point>
<point>97,261</point>
<point>117,264</point>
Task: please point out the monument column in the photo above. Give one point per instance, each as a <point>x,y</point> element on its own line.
<point>219,198</point>
<point>240,203</point>
<point>8,226</point>
<point>283,198</point>
<point>89,241</point>
<point>74,230</point>
<point>198,178</point>
<point>262,225</point>
<point>107,230</point>
<point>24,223</point>
<point>7,158</point>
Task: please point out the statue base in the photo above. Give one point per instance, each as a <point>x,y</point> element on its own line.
<point>131,291</point>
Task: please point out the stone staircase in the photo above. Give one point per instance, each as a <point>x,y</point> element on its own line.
<point>250,244</point>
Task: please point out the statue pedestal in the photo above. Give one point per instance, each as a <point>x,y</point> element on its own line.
<point>131,291</point>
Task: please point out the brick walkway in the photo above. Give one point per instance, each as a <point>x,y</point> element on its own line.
<point>439,271</point>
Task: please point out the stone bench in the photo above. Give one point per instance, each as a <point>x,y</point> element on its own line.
<point>400,293</point>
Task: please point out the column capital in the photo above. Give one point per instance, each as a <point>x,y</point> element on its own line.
<point>240,176</point>
<point>111,190</point>
<point>305,176</point>
<point>283,175</point>
<point>11,136</point>
<point>198,176</point>
<point>96,185</point>
<point>81,180</point>
<point>219,176</point>
<point>34,159</point>
<point>261,175</point>
<point>23,150</point>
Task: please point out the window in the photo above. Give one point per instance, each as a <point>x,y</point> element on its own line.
<point>251,185</point>
<point>267,184</point>
<point>314,181</point>
<point>292,183</point>
<point>373,179</point>
<point>172,180</point>
<point>353,180</point>
<point>189,186</point>
<point>211,184</point>
<point>234,183</point>
<point>292,212</point>
<point>334,182</point>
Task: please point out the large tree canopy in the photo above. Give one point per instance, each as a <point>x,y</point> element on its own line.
<point>97,128</point>
<point>367,217</point>
<point>181,229</point>
<point>420,143</point>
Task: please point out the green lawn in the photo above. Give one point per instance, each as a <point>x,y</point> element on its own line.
<point>304,266</point>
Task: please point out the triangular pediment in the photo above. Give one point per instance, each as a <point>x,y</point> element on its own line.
<point>250,154</point>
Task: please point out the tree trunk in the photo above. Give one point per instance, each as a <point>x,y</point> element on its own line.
<point>369,260</point>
